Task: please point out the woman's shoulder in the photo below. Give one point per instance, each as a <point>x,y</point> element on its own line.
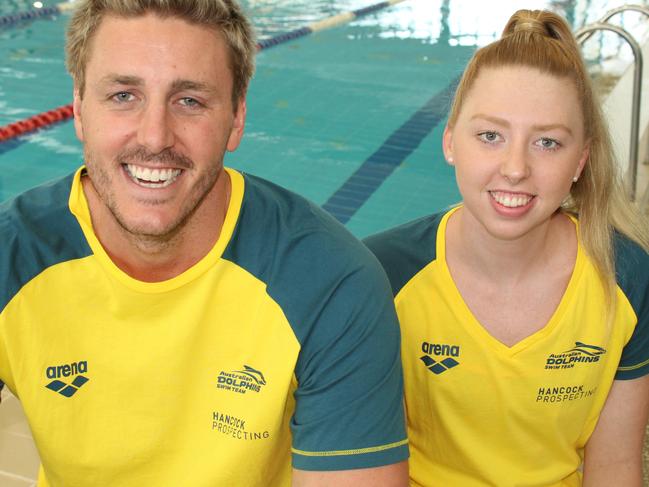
<point>632,272</point>
<point>406,249</point>
<point>631,259</point>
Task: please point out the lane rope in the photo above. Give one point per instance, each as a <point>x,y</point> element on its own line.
<point>34,14</point>
<point>65,112</point>
<point>327,23</point>
<point>36,122</point>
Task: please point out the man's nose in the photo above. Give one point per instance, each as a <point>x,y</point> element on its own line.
<point>155,131</point>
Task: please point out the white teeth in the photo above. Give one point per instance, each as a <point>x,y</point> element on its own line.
<point>509,200</point>
<point>152,178</point>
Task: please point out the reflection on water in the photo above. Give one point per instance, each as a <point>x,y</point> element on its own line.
<point>453,22</point>
<point>272,17</point>
<point>456,22</point>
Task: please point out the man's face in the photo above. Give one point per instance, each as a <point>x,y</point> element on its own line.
<point>155,119</point>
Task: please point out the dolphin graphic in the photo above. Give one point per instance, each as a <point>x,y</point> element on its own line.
<point>254,374</point>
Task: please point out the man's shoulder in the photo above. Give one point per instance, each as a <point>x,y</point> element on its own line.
<point>301,253</point>
<point>286,225</point>
<point>37,231</point>
<point>406,249</point>
<point>263,196</point>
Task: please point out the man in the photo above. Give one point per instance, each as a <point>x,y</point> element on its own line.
<point>168,322</point>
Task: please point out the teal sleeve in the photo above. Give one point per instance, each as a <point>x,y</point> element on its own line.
<point>405,250</point>
<point>632,269</point>
<point>349,406</point>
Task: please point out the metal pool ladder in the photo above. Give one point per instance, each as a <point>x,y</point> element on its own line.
<point>582,35</point>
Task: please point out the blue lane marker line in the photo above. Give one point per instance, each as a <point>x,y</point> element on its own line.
<point>360,186</point>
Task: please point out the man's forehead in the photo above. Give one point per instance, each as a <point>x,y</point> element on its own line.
<point>158,49</point>
<point>152,31</point>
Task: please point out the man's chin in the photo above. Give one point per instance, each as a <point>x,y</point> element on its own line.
<point>149,229</point>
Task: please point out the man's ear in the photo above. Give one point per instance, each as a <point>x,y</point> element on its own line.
<point>76,105</point>
<point>238,125</point>
<point>447,144</point>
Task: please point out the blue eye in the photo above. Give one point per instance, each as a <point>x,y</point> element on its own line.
<point>190,102</point>
<point>546,143</point>
<point>122,97</point>
<point>489,136</point>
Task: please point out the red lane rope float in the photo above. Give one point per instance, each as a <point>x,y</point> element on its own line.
<point>36,122</point>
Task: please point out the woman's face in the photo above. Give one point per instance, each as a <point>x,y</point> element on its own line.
<point>517,144</point>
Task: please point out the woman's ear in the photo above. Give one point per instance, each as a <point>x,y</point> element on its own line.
<point>582,161</point>
<point>447,144</point>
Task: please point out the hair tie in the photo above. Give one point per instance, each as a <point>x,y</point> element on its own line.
<point>530,25</point>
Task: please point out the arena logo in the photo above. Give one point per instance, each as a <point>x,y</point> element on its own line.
<point>57,372</point>
<point>437,365</point>
<point>581,353</point>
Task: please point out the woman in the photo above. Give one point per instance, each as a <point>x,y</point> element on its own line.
<point>525,310</point>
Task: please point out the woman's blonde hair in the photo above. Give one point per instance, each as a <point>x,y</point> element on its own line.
<point>224,16</point>
<point>543,40</point>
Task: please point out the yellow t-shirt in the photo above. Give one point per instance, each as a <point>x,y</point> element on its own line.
<point>281,345</point>
<point>481,413</point>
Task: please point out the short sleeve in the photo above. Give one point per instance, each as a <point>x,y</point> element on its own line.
<point>632,269</point>
<point>349,406</point>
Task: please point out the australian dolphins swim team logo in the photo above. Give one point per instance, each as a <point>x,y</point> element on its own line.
<point>580,353</point>
<point>242,381</point>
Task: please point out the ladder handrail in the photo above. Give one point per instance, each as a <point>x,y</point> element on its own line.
<point>617,10</point>
<point>582,35</point>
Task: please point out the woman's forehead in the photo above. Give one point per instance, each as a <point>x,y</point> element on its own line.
<point>520,93</point>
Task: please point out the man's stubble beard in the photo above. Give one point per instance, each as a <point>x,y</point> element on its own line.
<point>138,233</point>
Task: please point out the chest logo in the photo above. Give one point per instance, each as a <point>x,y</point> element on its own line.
<point>241,381</point>
<point>439,358</point>
<point>58,372</point>
<point>580,353</point>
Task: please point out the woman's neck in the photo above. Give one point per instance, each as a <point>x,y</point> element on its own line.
<point>509,262</point>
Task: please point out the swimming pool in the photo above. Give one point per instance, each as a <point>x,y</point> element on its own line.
<point>350,117</point>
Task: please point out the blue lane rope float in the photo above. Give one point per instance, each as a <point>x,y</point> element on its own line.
<point>327,23</point>
<point>7,20</point>
<point>60,114</point>
<point>36,13</point>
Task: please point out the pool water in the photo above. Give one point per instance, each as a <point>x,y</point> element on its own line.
<point>350,117</point>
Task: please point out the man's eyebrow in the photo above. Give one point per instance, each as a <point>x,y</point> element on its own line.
<point>504,123</point>
<point>185,84</point>
<point>120,79</point>
<point>176,85</point>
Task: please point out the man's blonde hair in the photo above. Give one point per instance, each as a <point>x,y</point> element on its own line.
<point>224,16</point>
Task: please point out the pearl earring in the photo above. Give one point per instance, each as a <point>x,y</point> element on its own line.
<point>575,179</point>
<point>449,159</point>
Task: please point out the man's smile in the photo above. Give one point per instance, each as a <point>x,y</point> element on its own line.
<point>151,178</point>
